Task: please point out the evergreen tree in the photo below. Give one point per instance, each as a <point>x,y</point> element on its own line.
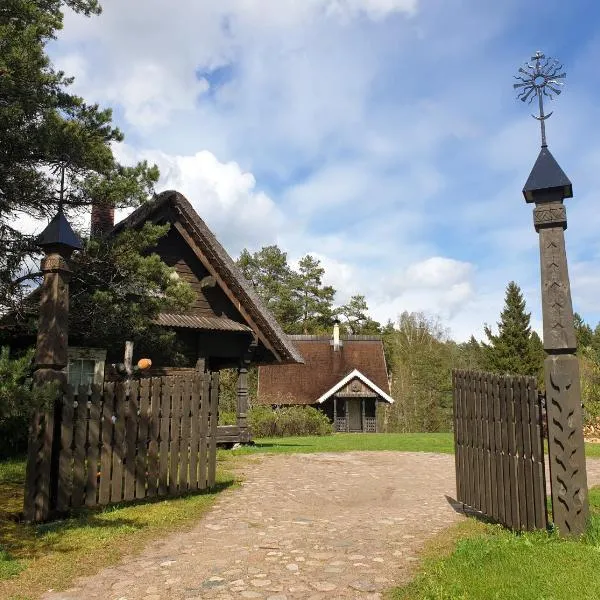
<point>48,135</point>
<point>510,351</point>
<point>538,354</point>
<point>356,315</point>
<point>583,332</point>
<point>315,299</point>
<point>274,281</point>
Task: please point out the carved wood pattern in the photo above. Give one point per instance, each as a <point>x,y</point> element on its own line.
<point>565,444</point>
<point>550,216</point>
<point>557,308</point>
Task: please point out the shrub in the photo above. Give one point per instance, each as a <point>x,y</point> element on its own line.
<point>227,418</point>
<point>16,401</point>
<point>288,421</point>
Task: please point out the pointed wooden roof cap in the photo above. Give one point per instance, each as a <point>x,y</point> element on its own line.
<point>59,233</point>
<point>546,176</point>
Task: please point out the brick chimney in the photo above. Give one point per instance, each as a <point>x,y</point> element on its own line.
<point>103,219</point>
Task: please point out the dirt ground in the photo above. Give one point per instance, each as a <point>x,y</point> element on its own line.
<point>317,526</point>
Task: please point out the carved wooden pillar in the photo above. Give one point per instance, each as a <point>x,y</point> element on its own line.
<point>347,416</point>
<point>548,186</point>
<point>242,394</point>
<point>51,358</point>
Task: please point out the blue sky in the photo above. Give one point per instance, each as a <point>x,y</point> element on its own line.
<point>382,136</point>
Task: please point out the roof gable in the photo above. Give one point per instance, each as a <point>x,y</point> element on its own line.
<point>173,207</point>
<point>355,375</point>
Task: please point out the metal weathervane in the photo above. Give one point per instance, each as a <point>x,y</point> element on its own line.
<point>540,78</point>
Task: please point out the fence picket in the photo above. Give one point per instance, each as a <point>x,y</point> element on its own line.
<point>80,420</point>
<point>93,449</point>
<point>65,463</point>
<point>212,436</point>
<point>195,433</point>
<point>184,478</point>
<point>107,443</point>
<point>118,456</point>
<point>131,429</point>
<point>141,466</point>
<point>154,427</point>
<point>175,433</point>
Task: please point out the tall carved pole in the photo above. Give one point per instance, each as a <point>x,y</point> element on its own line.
<point>51,358</point>
<point>547,187</point>
<point>242,394</point>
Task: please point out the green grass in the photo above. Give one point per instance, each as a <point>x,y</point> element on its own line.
<point>347,442</point>
<point>34,558</point>
<point>489,562</point>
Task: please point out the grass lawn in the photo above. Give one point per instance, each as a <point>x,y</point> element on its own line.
<point>484,562</point>
<point>36,558</point>
<point>346,442</point>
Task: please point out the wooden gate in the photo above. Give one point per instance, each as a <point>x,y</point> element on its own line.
<point>121,442</point>
<point>499,448</point>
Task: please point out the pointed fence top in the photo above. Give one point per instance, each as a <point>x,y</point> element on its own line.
<point>59,233</point>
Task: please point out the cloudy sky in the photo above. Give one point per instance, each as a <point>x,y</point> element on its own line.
<point>381,136</point>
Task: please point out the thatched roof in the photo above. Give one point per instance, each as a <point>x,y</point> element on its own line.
<point>259,319</point>
<point>323,369</point>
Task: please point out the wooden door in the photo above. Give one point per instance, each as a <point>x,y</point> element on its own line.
<point>354,414</point>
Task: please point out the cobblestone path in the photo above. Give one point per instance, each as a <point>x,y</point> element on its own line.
<point>319,526</point>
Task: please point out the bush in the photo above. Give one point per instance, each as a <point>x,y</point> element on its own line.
<point>227,418</point>
<point>16,402</point>
<point>288,421</point>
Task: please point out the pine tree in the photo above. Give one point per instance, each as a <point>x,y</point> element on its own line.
<point>274,281</point>
<point>48,135</point>
<point>510,351</point>
<point>356,315</point>
<point>315,299</point>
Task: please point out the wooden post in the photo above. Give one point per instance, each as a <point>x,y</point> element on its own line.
<point>347,417</point>
<point>334,413</point>
<point>51,360</point>
<point>566,447</point>
<point>242,393</point>
<point>362,411</point>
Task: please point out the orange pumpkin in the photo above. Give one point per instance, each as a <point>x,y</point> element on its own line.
<point>144,363</point>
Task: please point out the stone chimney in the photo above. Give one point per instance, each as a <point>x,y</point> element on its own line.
<point>103,219</point>
<point>336,336</point>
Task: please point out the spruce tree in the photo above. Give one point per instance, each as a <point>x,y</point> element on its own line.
<point>511,350</point>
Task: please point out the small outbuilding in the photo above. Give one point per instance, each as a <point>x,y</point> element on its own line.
<point>345,377</point>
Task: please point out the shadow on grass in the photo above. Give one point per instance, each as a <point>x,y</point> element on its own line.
<point>467,511</point>
<point>24,540</point>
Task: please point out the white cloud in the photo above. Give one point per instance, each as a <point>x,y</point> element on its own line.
<point>222,193</point>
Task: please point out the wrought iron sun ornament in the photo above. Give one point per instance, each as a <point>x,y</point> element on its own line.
<point>540,78</point>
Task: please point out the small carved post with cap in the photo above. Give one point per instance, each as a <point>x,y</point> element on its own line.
<point>547,187</point>
<point>242,393</point>
<point>51,358</point>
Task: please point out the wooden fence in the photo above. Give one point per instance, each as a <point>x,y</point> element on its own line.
<point>121,442</point>
<point>499,448</point>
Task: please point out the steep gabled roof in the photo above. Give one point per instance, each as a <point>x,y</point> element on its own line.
<point>356,374</point>
<point>323,370</point>
<point>220,265</point>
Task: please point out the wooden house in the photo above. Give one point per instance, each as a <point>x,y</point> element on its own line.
<point>227,326</point>
<point>345,377</point>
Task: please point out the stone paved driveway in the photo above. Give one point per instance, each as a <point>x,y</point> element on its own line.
<point>299,527</point>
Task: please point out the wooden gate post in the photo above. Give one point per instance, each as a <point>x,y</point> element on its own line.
<point>548,186</point>
<point>58,242</point>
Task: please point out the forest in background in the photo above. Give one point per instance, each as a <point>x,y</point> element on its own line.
<point>420,353</point>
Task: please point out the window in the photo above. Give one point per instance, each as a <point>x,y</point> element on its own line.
<point>86,366</point>
<point>81,372</point>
